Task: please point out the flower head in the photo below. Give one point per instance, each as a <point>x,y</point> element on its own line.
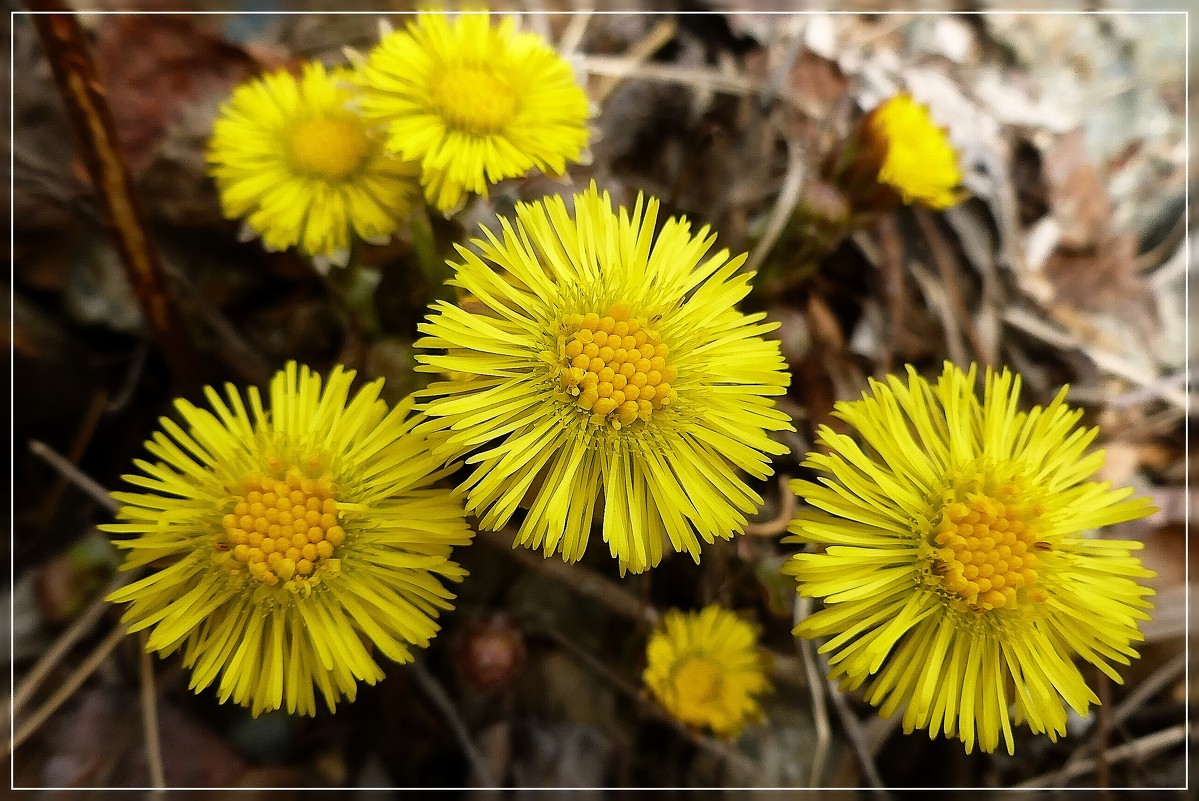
<point>706,670</point>
<point>603,356</point>
<point>303,169</point>
<point>917,159</point>
<point>957,579</point>
<point>474,104</point>
<point>289,540</point>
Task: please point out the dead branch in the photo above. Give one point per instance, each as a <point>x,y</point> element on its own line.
<point>67,49</point>
<point>581,579</point>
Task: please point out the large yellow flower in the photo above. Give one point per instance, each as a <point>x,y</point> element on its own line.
<point>958,578</point>
<point>603,356</point>
<point>474,104</point>
<point>918,159</point>
<point>303,169</point>
<point>291,540</point>
<point>705,669</point>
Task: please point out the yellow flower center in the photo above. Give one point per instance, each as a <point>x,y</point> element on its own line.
<point>697,682</point>
<point>329,147</point>
<point>986,549</point>
<point>284,528</point>
<point>614,367</point>
<point>474,100</point>
<point>920,161</point>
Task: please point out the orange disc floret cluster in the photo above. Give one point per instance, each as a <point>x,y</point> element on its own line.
<point>615,367</point>
<point>284,528</point>
<point>988,549</point>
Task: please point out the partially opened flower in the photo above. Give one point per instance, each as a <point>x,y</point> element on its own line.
<point>473,103</point>
<point>706,669</point>
<point>603,357</point>
<point>917,159</point>
<point>958,578</point>
<point>303,169</point>
<point>289,542</point>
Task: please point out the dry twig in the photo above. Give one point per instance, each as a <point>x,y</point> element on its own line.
<point>1031,324</point>
<point>640,52</point>
<point>816,687</point>
<point>948,266</point>
<point>61,646</point>
<point>1138,749</point>
<point>74,474</point>
<point>699,79</point>
<point>572,37</point>
<point>150,713</point>
<point>68,688</point>
<point>784,206</point>
<point>87,427</point>
<point>67,50</point>
<point>849,721</point>
<point>441,700</point>
<point>891,276</point>
<point>582,580</point>
<point>1153,684</point>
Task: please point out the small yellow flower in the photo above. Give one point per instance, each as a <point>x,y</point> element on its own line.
<point>474,104</point>
<point>604,357</point>
<point>303,169</point>
<point>290,540</point>
<point>919,162</point>
<point>957,578</point>
<point>706,670</point>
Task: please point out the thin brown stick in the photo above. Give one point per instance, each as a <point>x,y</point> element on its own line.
<point>1140,748</point>
<point>150,713</point>
<point>1105,725</point>
<point>83,435</point>
<point>572,37</point>
<point>777,526</point>
<point>73,474</point>
<point>640,52</point>
<point>68,688</point>
<point>581,579</point>
<point>824,732</point>
<point>895,296</point>
<point>701,79</point>
<point>784,206</point>
<point>1147,688</point>
<point>853,730</point>
<point>61,646</point>
<point>66,48</point>
<point>441,700</point>
<point>849,721</point>
<point>948,267</point>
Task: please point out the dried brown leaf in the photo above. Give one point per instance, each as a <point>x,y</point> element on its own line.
<point>152,66</point>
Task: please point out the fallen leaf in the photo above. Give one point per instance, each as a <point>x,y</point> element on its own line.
<point>152,66</point>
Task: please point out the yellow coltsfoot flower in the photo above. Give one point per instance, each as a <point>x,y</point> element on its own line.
<point>604,357</point>
<point>957,578</point>
<point>917,159</point>
<point>473,103</point>
<point>290,540</point>
<point>706,670</point>
<point>303,169</point>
